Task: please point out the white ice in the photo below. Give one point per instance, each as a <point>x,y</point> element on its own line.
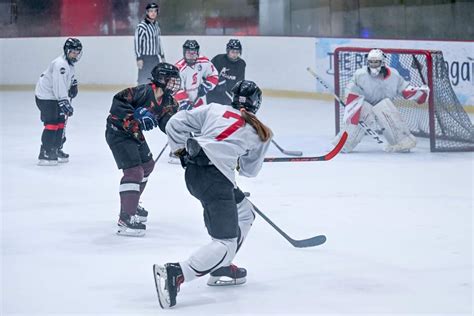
<point>399,226</point>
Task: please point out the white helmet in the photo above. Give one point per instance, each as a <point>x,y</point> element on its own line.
<point>375,61</point>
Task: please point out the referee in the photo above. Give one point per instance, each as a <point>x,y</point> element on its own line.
<point>148,45</point>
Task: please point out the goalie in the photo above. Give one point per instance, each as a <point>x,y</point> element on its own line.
<point>369,99</point>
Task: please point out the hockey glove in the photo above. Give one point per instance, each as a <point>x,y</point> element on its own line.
<point>185,105</point>
<point>73,89</point>
<point>145,118</point>
<point>192,147</point>
<point>204,88</point>
<point>65,107</point>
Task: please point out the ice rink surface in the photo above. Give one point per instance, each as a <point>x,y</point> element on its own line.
<point>399,226</point>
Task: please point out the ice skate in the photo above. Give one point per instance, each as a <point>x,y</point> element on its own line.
<point>168,279</point>
<point>142,214</point>
<point>130,226</point>
<point>173,159</point>
<point>62,156</point>
<point>47,157</point>
<point>229,275</point>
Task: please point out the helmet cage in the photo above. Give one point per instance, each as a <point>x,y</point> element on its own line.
<point>166,76</point>
<point>72,45</point>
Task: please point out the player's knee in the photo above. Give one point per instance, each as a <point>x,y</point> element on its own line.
<point>133,175</point>
<point>148,167</point>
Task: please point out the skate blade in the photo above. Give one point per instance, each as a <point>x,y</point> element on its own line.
<point>42,162</point>
<point>63,160</point>
<point>160,275</point>
<point>225,281</point>
<point>123,231</point>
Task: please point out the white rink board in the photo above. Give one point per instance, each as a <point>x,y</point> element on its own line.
<point>273,62</point>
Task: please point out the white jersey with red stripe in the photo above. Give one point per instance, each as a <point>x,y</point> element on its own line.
<point>55,82</point>
<point>193,76</point>
<point>224,136</point>
<point>376,88</point>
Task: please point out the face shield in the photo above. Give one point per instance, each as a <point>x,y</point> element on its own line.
<point>375,65</point>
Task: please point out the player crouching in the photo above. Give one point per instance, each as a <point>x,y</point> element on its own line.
<point>370,95</point>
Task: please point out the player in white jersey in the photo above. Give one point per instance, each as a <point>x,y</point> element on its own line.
<point>230,138</point>
<point>55,87</point>
<point>198,77</point>
<point>370,93</point>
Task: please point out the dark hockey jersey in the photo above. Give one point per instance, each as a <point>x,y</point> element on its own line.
<point>229,73</point>
<point>126,101</point>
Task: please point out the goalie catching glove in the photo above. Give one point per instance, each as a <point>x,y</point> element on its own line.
<point>417,94</point>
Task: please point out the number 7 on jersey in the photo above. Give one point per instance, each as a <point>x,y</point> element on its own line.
<point>232,128</point>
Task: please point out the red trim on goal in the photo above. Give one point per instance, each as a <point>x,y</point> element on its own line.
<point>429,73</point>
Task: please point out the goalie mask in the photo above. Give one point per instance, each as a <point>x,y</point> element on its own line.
<point>247,95</point>
<point>166,76</point>
<point>375,62</point>
<point>72,50</point>
<point>191,51</point>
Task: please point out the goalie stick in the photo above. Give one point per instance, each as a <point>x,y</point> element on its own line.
<point>367,129</point>
<point>303,243</point>
<point>281,149</point>
<point>326,157</point>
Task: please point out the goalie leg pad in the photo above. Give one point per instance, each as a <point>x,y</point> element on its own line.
<point>356,132</point>
<point>395,130</point>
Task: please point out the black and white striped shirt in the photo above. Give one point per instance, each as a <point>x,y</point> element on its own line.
<point>148,39</point>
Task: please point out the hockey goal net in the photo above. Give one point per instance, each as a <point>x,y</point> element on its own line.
<point>442,119</point>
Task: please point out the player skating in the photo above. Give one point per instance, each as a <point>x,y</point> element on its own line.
<point>230,138</point>
<point>198,77</point>
<point>231,69</point>
<point>133,111</point>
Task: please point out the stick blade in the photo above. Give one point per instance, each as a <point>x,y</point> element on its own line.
<point>310,242</point>
<point>292,153</point>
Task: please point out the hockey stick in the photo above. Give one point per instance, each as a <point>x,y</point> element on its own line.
<point>281,149</point>
<point>326,157</point>
<point>367,129</point>
<point>303,243</point>
<point>161,152</point>
<point>287,152</point>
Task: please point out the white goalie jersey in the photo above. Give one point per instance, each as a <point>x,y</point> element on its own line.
<point>374,89</point>
<point>224,136</point>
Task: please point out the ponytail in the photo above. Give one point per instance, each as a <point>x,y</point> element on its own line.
<point>262,130</point>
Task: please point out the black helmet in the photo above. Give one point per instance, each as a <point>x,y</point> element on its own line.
<point>247,95</point>
<point>190,45</point>
<point>161,75</point>
<point>234,44</point>
<point>70,45</point>
<point>152,5</point>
